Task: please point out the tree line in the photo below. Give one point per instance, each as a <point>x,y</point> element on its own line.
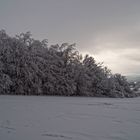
<point>31,67</point>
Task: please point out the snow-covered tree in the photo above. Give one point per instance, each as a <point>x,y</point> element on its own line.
<point>30,67</point>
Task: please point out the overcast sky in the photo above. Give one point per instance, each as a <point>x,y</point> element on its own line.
<point>107,29</point>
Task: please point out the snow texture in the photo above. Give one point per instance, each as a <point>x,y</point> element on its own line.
<point>69,118</point>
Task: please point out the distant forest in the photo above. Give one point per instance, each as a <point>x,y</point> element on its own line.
<point>31,67</point>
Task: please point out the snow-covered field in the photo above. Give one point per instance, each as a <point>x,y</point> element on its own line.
<point>69,118</point>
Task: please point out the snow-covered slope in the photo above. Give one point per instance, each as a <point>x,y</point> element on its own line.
<point>69,118</point>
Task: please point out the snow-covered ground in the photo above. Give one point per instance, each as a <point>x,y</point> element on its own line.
<point>69,118</point>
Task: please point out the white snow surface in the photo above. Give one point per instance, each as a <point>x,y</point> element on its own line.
<point>69,118</point>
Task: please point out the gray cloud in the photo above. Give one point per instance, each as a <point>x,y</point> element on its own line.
<point>116,40</point>
<point>133,57</point>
